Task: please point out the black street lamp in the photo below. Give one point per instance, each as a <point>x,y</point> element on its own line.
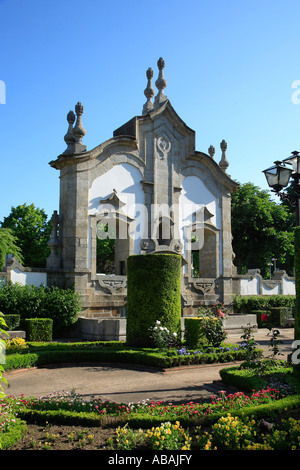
<point>278,177</point>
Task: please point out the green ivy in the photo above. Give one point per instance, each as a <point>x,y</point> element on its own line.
<point>153,293</point>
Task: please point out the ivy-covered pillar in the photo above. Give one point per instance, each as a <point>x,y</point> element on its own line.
<point>153,293</point>
<point>296,356</point>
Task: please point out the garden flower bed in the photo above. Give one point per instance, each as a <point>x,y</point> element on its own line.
<point>269,391</point>
<point>267,419</point>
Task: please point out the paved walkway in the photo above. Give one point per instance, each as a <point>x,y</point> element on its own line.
<point>123,384</point>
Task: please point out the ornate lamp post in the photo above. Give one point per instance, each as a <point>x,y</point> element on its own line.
<point>278,177</point>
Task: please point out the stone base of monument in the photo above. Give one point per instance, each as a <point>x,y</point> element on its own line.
<point>114,329</point>
<point>13,334</point>
<point>236,322</point>
<point>102,329</point>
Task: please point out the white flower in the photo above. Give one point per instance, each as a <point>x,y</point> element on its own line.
<point>157,322</point>
<point>161,328</point>
<point>174,334</point>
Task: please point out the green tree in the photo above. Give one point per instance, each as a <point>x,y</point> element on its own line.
<point>261,230</point>
<point>8,245</point>
<point>31,229</point>
<point>105,249</point>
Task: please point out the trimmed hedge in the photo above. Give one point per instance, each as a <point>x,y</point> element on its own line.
<point>245,304</point>
<point>277,316</point>
<point>153,293</point>
<point>38,329</point>
<point>297,309</point>
<point>193,332</point>
<point>38,354</point>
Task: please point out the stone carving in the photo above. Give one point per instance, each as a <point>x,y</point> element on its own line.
<point>161,84</point>
<point>164,146</point>
<point>112,284</point>
<point>211,151</point>
<point>149,93</point>
<point>69,137</point>
<point>113,200</point>
<point>223,162</point>
<point>204,287</point>
<point>75,134</point>
<point>270,284</point>
<point>78,130</point>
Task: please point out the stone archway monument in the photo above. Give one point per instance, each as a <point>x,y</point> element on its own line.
<point>150,190</point>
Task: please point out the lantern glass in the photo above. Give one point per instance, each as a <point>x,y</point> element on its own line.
<point>278,176</point>
<point>294,160</point>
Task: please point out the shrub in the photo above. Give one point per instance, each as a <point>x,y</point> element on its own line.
<point>162,337</point>
<point>153,293</point>
<point>39,329</point>
<point>194,333</point>
<point>12,322</point>
<point>62,305</point>
<point>15,345</point>
<point>297,275</point>
<point>245,304</point>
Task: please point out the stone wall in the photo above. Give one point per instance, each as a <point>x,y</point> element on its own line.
<point>253,284</point>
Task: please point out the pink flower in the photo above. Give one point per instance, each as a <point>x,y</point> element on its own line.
<point>222,315</point>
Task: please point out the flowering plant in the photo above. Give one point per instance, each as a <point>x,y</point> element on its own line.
<point>168,436</point>
<point>2,344</point>
<point>162,337</point>
<point>212,323</point>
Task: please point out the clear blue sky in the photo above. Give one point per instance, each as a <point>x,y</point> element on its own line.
<point>230,66</point>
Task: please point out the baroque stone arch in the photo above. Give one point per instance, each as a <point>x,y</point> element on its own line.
<point>148,162</point>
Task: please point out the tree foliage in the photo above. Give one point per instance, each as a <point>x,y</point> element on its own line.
<point>261,230</point>
<point>31,230</point>
<point>8,245</point>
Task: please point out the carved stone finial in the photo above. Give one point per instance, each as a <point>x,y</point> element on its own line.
<point>149,93</point>
<point>69,137</point>
<point>223,164</point>
<point>211,151</point>
<point>79,130</point>
<point>160,83</point>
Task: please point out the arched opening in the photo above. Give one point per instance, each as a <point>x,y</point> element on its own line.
<point>113,245</point>
<point>204,257</point>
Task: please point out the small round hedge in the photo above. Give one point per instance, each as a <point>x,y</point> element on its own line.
<point>153,293</point>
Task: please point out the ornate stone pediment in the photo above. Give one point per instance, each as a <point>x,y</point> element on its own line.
<point>113,200</point>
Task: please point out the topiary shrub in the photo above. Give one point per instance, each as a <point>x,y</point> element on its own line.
<point>153,293</point>
<point>194,334</point>
<point>38,329</point>
<point>297,306</point>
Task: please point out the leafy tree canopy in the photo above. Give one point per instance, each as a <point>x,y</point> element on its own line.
<point>8,246</point>
<point>31,230</point>
<point>261,230</point>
